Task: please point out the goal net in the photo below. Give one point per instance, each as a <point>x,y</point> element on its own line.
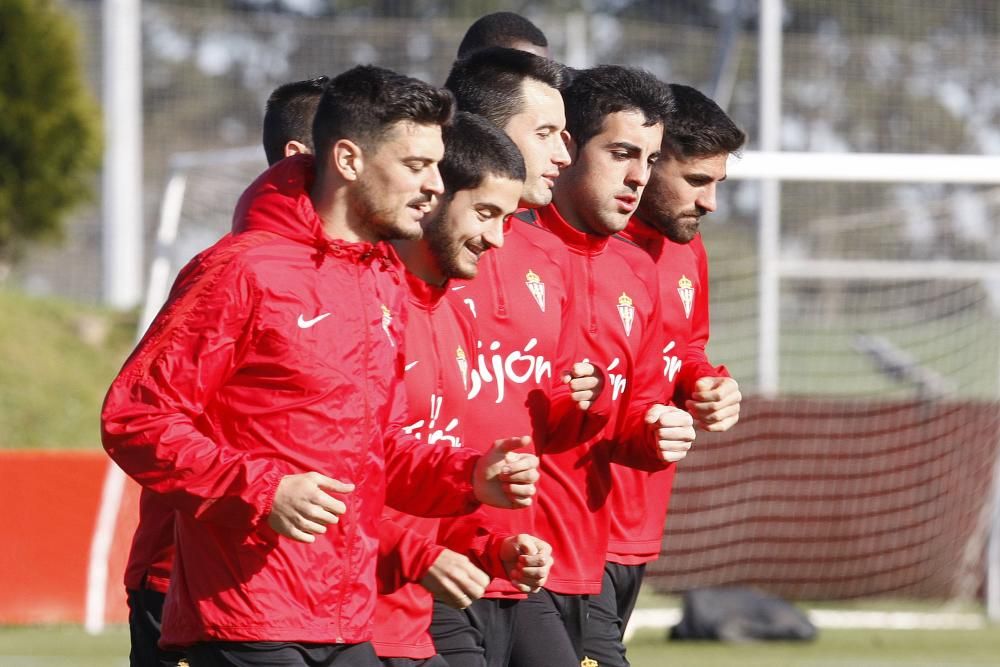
<point>869,470</point>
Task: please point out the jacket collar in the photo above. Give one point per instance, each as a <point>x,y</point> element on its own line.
<point>278,202</point>
<point>550,218</point>
<point>423,294</point>
<point>643,234</point>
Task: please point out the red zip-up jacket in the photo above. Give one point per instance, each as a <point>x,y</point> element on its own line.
<point>439,344</point>
<point>617,326</point>
<point>279,352</point>
<point>520,303</point>
<point>637,527</point>
<point>151,555</point>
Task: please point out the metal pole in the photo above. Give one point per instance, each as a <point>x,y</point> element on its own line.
<point>121,195</point>
<point>769,217</point>
<point>993,551</point>
<point>728,54</point>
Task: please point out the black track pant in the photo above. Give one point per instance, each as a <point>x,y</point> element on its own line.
<point>435,661</point>
<point>549,630</point>
<point>609,614</point>
<point>281,654</point>
<point>479,636</point>
<point>145,614</point>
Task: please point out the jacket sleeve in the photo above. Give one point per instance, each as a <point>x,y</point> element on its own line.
<point>564,416</point>
<point>695,364</point>
<point>634,444</point>
<point>153,419</point>
<point>422,480</point>
<point>404,555</point>
<point>476,536</point>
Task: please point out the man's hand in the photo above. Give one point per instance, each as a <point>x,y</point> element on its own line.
<point>715,403</point>
<point>505,478</point>
<point>585,383</point>
<point>527,560</point>
<point>673,430</point>
<point>302,509</point>
<point>454,580</point>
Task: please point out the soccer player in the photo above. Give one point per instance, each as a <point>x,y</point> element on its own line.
<point>506,29</point>
<point>697,141</point>
<point>288,119</point>
<point>615,118</point>
<point>265,403</point>
<point>520,303</point>
<point>483,175</point>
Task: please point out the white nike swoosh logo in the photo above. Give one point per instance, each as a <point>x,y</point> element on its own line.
<point>305,324</point>
<point>458,287</point>
<point>411,365</point>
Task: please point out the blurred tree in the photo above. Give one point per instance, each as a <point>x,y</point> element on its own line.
<point>49,124</point>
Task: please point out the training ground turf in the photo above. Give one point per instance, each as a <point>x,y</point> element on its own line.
<point>71,647</point>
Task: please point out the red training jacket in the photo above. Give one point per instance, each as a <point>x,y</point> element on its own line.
<point>618,326</point>
<point>637,527</point>
<point>520,303</point>
<point>439,344</point>
<point>279,352</point>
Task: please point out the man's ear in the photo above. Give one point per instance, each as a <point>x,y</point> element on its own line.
<point>296,148</point>
<point>347,159</point>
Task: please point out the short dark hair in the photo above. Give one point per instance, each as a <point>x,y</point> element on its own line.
<point>362,104</point>
<point>500,29</point>
<point>288,115</point>
<point>698,127</point>
<point>475,148</point>
<point>489,82</point>
<point>600,91</point>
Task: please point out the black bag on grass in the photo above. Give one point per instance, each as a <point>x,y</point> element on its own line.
<point>732,614</point>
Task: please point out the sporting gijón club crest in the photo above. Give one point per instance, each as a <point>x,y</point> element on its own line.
<point>536,287</point>
<point>626,311</point>
<point>685,289</point>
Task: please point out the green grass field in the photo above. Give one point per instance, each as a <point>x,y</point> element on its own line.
<point>71,647</point>
<point>58,360</point>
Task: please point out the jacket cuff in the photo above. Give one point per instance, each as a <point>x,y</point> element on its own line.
<point>466,477</point>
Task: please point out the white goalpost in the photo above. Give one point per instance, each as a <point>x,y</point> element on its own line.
<point>775,268</point>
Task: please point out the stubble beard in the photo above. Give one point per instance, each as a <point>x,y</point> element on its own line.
<point>680,229</point>
<point>382,222</point>
<point>683,229</point>
<point>445,249</point>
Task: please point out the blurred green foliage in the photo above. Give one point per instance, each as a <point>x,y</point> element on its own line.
<point>50,145</point>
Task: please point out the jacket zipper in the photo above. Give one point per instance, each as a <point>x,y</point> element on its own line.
<point>498,290</point>
<point>592,314</point>
<point>435,346</point>
<point>365,365</point>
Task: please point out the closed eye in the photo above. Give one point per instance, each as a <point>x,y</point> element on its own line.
<point>417,166</point>
<point>487,212</point>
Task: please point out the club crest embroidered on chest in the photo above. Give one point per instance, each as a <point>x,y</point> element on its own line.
<point>386,323</point>
<point>536,287</point>
<point>463,366</point>
<point>685,288</point>
<point>626,311</point>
